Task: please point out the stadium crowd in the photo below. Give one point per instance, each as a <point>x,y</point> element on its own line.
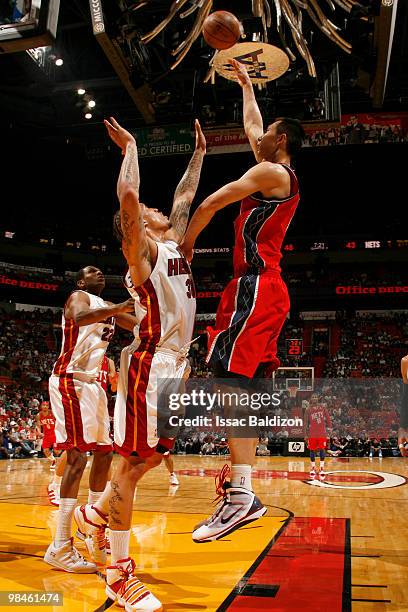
<point>355,132</point>
<point>370,348</point>
<point>318,274</point>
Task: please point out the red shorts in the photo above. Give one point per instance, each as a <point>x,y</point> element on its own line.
<point>250,316</point>
<point>317,443</point>
<point>48,441</point>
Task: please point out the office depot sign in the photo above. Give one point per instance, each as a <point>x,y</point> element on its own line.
<point>25,284</point>
<point>376,290</point>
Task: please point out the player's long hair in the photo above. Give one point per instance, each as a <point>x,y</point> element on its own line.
<point>117,228</point>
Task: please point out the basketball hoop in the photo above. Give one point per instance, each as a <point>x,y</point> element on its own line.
<point>293,390</point>
<point>263,61</point>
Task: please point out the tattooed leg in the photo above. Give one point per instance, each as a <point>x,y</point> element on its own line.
<point>123,484</point>
<point>117,498</point>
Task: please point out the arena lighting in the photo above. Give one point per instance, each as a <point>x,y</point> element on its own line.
<point>9,234</point>
<point>88,115</point>
<point>80,91</point>
<point>91,103</point>
<point>59,61</point>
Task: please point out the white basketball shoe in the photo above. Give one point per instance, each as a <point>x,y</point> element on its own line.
<point>238,508</point>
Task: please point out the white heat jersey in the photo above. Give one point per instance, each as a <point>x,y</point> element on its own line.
<point>166,300</point>
<point>83,347</point>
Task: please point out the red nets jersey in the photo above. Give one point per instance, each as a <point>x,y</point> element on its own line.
<point>260,229</point>
<point>47,423</point>
<point>317,420</point>
<point>103,374</point>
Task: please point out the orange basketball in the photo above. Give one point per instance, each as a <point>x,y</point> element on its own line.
<point>221,30</point>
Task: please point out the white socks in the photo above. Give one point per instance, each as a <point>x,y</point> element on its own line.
<point>57,480</point>
<point>103,500</point>
<point>119,541</point>
<point>241,476</point>
<point>94,496</point>
<point>64,522</point>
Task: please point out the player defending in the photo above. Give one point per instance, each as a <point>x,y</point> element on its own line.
<point>254,305</point>
<point>316,422</point>
<point>80,408</point>
<point>160,278</point>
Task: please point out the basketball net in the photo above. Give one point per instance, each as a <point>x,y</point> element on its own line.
<point>292,391</point>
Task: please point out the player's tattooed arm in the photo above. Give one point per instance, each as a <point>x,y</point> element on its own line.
<point>186,189</point>
<point>129,174</point>
<point>139,250</point>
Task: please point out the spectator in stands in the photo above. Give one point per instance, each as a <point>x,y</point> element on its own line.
<point>4,447</point>
<point>208,448</point>
<point>337,448</point>
<point>19,446</point>
<point>262,448</point>
<point>375,447</point>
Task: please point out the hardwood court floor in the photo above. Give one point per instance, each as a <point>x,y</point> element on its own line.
<point>332,545</point>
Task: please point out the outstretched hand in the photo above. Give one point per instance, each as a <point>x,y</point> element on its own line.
<point>118,134</point>
<point>200,142</point>
<point>241,73</point>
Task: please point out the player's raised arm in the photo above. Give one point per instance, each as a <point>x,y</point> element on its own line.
<point>262,177</point>
<point>186,189</point>
<point>253,123</point>
<point>139,250</point>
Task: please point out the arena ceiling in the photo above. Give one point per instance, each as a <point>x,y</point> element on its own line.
<point>47,99</point>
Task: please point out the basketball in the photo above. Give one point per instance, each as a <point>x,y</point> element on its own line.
<point>221,30</point>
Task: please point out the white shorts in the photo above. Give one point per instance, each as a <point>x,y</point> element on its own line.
<point>135,418</point>
<point>81,413</point>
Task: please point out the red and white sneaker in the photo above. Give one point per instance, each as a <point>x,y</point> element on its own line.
<point>95,540</point>
<point>80,536</point>
<point>67,558</point>
<point>127,590</point>
<point>53,495</point>
<point>312,471</point>
<point>89,519</point>
<point>322,472</point>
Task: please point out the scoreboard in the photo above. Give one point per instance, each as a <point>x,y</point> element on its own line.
<point>338,244</point>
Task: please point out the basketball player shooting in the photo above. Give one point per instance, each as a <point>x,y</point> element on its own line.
<point>160,280</point>
<point>254,305</point>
